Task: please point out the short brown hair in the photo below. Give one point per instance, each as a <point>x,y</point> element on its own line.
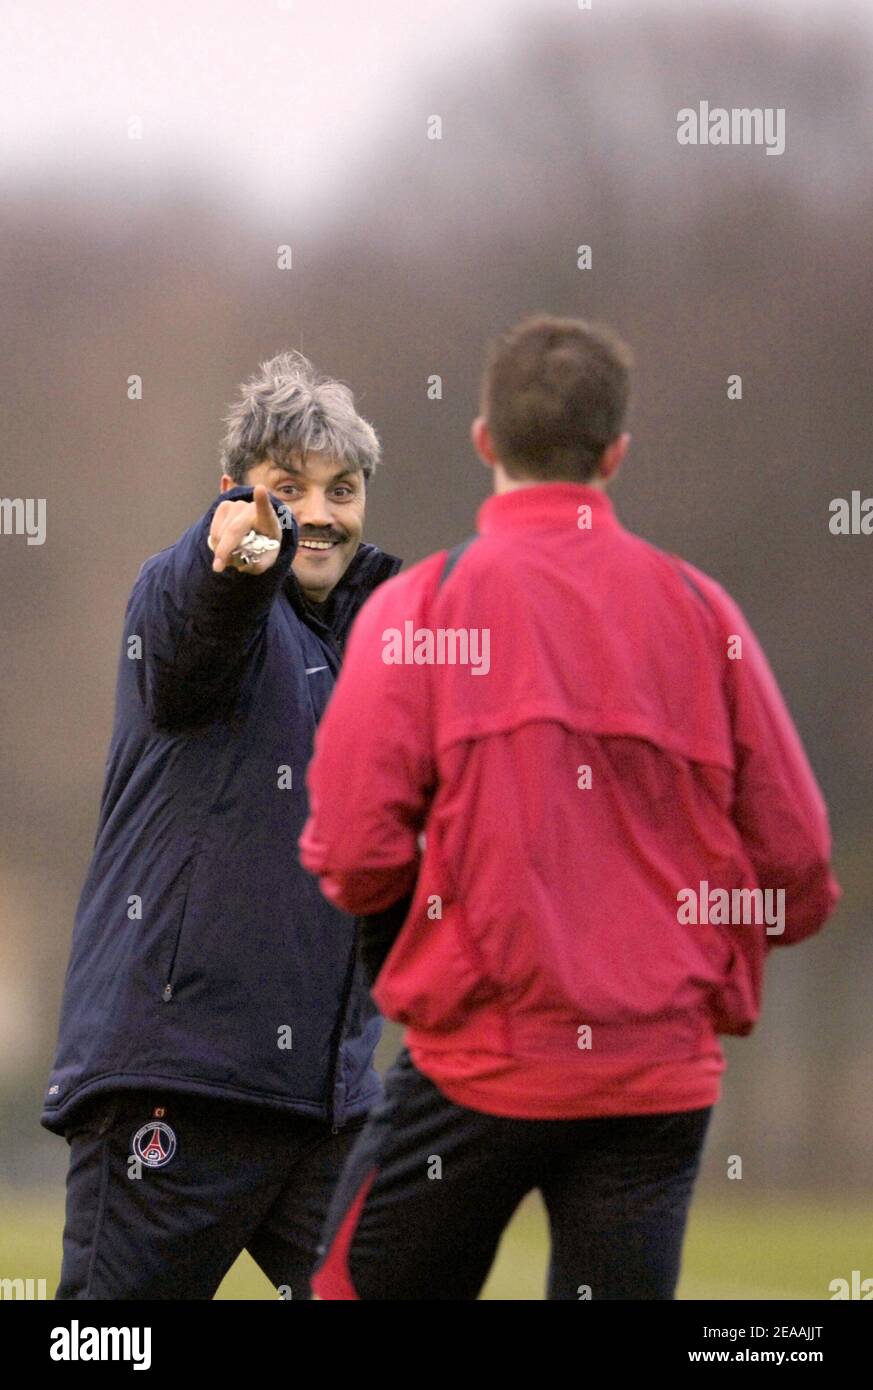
<point>554,394</point>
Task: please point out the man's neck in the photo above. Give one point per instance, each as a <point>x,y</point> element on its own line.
<point>503,482</point>
<point>319,606</point>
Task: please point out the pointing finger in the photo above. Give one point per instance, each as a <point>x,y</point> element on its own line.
<point>266,520</point>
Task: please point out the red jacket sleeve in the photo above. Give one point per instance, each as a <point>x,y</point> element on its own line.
<point>778,808</point>
<point>371,778</point>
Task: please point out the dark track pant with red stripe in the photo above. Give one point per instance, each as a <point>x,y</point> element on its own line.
<point>430,1186</point>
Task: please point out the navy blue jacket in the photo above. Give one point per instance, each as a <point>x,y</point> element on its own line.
<point>204,957</point>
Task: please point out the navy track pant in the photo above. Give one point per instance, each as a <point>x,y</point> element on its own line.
<point>164,1191</point>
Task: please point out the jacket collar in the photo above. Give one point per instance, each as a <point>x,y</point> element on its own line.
<point>369,568</point>
<point>546,506</point>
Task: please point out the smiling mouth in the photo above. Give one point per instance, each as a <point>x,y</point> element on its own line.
<point>317,547</point>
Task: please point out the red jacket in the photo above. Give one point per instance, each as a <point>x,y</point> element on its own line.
<point>546,968</point>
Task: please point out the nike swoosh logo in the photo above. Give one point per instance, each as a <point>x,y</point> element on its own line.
<point>310,670</point>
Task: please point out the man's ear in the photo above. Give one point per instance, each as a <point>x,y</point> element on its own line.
<point>613,457</point>
<point>482,443</point>
<point>227,482</point>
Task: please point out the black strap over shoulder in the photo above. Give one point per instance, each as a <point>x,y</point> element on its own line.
<point>695,588</point>
<point>452,559</point>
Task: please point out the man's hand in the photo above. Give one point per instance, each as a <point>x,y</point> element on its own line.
<point>232,520</point>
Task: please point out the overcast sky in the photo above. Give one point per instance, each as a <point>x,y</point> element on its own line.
<point>262,94</point>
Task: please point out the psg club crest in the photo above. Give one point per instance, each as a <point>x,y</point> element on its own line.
<point>154,1144</point>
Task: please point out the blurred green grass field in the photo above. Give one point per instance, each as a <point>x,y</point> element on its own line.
<point>780,1249</point>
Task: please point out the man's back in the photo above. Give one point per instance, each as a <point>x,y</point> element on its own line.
<point>618,820</point>
<point>621,748</point>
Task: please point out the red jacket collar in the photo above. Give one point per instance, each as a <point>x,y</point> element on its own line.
<point>544,506</point>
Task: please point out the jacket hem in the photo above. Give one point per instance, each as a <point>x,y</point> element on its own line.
<point>515,1086</point>
<point>57,1119</point>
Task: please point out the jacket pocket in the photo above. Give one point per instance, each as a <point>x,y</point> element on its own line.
<point>429,979</point>
<point>433,975</point>
<point>172,969</point>
<point>735,1004</point>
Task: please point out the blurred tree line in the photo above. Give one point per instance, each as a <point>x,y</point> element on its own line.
<point>710,261</point>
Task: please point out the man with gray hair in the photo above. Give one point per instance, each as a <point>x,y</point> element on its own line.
<point>216,1038</point>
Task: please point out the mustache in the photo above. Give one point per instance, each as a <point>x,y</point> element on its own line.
<point>320,536</point>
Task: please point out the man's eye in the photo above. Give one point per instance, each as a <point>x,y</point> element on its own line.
<point>347,491</point>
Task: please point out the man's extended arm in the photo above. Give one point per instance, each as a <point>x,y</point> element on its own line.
<point>200,623</point>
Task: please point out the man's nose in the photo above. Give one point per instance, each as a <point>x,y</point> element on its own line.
<point>313,511</point>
